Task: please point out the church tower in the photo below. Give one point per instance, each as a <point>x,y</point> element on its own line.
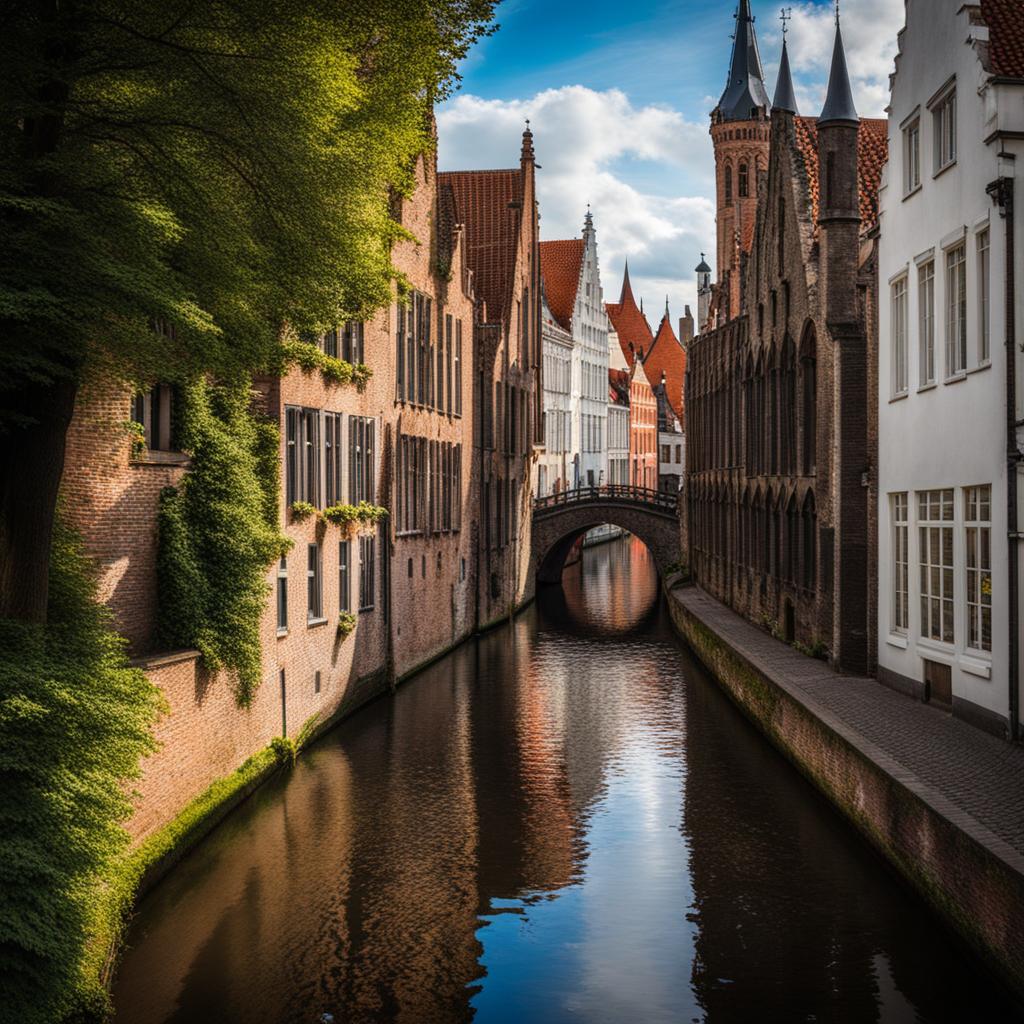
<point>740,127</point>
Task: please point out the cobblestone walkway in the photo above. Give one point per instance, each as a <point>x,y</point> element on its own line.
<point>980,775</point>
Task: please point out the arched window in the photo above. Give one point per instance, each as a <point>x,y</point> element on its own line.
<point>792,545</point>
<point>773,414</point>
<point>788,406</point>
<point>809,395</point>
<point>743,181</point>
<point>728,183</point>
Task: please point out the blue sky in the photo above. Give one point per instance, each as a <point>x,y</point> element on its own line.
<point>619,95</point>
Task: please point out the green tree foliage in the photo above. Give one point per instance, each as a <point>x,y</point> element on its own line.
<point>74,722</point>
<point>218,534</point>
<point>215,169</point>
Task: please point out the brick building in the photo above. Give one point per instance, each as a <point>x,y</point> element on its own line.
<point>498,210</point>
<point>407,441</point>
<point>780,392</point>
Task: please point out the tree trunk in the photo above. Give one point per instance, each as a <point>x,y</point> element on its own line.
<point>31,466</point>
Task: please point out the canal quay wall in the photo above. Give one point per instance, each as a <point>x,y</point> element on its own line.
<point>943,802</point>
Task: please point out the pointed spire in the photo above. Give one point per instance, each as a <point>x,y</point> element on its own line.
<point>785,97</point>
<point>744,91</point>
<point>627,291</point>
<point>588,221</point>
<point>666,307</point>
<point>527,151</point>
<point>839,101</point>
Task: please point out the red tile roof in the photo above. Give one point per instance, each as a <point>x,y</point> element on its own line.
<point>1005,20</point>
<point>668,357</point>
<point>489,204</point>
<point>618,386</point>
<point>629,323</point>
<point>560,264</point>
<point>872,149</point>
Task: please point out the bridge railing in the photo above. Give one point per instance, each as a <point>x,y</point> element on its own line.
<point>664,501</point>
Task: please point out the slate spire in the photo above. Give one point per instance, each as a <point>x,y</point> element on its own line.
<point>785,97</point>
<point>744,91</point>
<point>839,100</point>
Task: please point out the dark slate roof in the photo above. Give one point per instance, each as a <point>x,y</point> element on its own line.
<point>785,97</point>
<point>702,267</point>
<point>745,91</point>
<point>839,100</point>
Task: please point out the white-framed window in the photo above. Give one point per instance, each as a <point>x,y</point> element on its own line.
<point>935,539</point>
<point>956,310</point>
<point>978,562</point>
<point>926,321</point>
<point>944,130</point>
<point>912,156</point>
<point>983,296</point>
<point>898,334</point>
<point>314,584</point>
<point>282,595</point>
<point>899,509</point>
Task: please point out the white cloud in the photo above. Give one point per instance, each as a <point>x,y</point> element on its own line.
<point>589,144</point>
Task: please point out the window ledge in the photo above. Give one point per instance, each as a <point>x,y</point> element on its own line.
<point>913,192</point>
<point>935,650</point>
<point>368,608</point>
<point>310,623</point>
<point>895,640</point>
<point>956,377</point>
<point>283,631</point>
<point>899,397</point>
<point>930,386</point>
<point>981,366</point>
<point>159,458</point>
<point>976,666</point>
<point>945,167</point>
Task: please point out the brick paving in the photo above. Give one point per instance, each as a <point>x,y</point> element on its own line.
<point>943,757</point>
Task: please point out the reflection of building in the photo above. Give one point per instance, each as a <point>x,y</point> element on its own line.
<point>945,429</point>
<point>780,435</point>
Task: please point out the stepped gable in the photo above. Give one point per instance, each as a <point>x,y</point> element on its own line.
<point>667,357</point>
<point>872,150</point>
<point>629,323</point>
<point>1005,20</point>
<point>560,264</point>
<point>489,205</point>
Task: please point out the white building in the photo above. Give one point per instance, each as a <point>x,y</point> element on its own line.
<point>572,288</point>
<point>555,465</point>
<point>618,426</point>
<point>949,434</point>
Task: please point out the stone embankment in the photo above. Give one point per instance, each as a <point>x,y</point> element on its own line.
<point>941,800</point>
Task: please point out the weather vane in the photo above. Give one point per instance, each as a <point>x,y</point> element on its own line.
<point>785,14</point>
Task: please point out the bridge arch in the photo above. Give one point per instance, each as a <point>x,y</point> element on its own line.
<point>560,520</point>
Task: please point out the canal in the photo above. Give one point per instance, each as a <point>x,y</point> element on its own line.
<point>564,820</point>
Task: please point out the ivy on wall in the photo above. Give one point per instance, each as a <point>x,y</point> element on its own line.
<point>75,720</point>
<point>218,533</point>
<point>309,357</point>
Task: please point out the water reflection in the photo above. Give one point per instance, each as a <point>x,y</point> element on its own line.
<point>562,821</point>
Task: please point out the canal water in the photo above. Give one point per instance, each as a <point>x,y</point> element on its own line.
<point>564,820</point>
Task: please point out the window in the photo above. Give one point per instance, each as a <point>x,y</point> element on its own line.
<point>912,156</point>
<point>935,535</point>
<point>344,584</point>
<point>352,342</point>
<point>316,681</point>
<point>315,603</point>
<point>926,321</point>
<point>449,340</point>
<point>978,546</point>
<point>333,445</point>
<point>400,331</point>
<point>367,570</point>
<point>458,368</point>
<point>983,289</point>
<point>330,342</point>
<point>302,455</point>
<point>944,130</point>
<point>956,311</point>
<point>282,595</point>
<point>898,333</point>
<point>728,183</point>
<point>742,181</point>
<point>154,410</point>
<point>900,565</point>
<point>361,482</point>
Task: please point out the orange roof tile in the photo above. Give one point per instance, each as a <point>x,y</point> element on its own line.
<point>667,357</point>
<point>872,149</point>
<point>560,264</point>
<point>629,323</point>
<point>1005,19</point>
<point>489,204</point>
<point>618,386</point>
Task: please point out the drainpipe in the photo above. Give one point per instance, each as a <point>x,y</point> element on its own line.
<point>1001,191</point>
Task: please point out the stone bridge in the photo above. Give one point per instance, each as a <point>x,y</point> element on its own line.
<point>559,520</point>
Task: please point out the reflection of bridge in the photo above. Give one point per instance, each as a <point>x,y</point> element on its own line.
<point>559,520</point>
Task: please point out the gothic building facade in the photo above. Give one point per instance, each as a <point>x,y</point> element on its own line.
<point>781,381</point>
